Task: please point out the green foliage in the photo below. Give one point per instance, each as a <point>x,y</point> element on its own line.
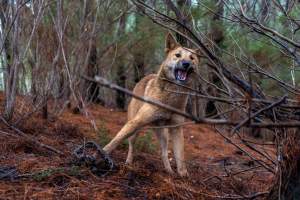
<point>103,135</point>
<point>144,143</point>
<point>44,174</point>
<point>295,12</point>
<point>124,38</point>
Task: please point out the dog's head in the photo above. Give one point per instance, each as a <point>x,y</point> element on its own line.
<point>180,62</point>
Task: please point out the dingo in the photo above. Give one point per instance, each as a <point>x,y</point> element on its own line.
<point>178,66</point>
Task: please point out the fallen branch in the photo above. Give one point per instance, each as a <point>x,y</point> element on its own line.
<point>242,123</point>
<point>31,139</point>
<point>261,163</point>
<point>275,125</point>
<point>8,173</point>
<point>229,100</point>
<point>104,82</point>
<point>92,161</point>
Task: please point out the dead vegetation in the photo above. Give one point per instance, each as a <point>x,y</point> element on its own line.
<point>217,169</point>
<point>247,89</point>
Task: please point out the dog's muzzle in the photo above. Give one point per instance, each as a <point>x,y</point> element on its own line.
<point>182,70</point>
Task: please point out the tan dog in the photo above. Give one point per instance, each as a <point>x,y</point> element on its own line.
<point>178,66</point>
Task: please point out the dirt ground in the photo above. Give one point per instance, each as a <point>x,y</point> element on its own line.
<point>217,169</point>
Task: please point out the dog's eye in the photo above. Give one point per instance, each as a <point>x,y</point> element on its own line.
<point>177,55</point>
<point>192,57</point>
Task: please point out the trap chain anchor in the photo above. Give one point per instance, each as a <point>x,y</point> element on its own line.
<point>96,165</point>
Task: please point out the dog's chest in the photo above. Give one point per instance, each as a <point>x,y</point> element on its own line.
<point>174,96</point>
<point>175,99</point>
<point>170,94</point>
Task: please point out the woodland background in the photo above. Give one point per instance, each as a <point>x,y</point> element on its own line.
<point>47,45</point>
<point>250,54</point>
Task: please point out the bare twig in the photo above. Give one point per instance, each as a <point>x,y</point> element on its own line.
<point>200,120</point>
<point>242,123</point>
<point>269,168</point>
<point>108,84</point>
<point>31,139</point>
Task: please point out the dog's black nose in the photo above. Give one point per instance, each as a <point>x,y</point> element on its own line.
<point>185,64</point>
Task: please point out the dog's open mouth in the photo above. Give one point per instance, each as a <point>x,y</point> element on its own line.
<point>181,74</point>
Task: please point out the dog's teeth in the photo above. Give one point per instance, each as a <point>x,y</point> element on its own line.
<point>181,75</point>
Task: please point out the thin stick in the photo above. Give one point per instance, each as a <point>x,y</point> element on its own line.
<point>171,126</point>
<point>104,82</point>
<point>245,152</point>
<point>31,139</point>
<point>242,123</point>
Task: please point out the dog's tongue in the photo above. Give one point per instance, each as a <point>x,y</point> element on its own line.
<point>181,75</point>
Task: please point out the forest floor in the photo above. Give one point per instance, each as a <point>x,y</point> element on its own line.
<point>217,169</point>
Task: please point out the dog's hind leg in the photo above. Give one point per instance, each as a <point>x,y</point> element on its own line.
<point>163,137</point>
<point>131,141</point>
<point>178,148</point>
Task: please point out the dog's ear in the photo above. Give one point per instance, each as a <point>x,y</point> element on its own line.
<point>198,52</point>
<point>170,43</point>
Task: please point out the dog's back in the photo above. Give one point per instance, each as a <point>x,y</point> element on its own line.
<point>139,90</point>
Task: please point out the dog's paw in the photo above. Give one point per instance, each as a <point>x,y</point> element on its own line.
<point>170,171</point>
<point>129,162</point>
<point>183,173</point>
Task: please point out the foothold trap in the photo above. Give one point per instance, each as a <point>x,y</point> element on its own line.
<point>93,156</point>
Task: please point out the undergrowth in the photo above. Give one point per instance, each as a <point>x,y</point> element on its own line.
<point>143,142</point>
<point>44,174</point>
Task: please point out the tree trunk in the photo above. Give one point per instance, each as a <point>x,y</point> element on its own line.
<point>121,76</point>
<point>13,64</point>
<point>139,67</point>
<point>265,4</point>
<point>4,41</point>
<point>205,107</point>
<point>91,90</point>
<point>92,70</point>
<point>183,16</point>
<point>121,80</point>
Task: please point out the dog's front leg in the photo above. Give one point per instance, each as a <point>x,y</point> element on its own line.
<point>127,130</point>
<point>178,148</point>
<point>143,117</point>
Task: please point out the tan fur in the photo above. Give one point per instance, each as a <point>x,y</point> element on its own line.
<point>141,114</point>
